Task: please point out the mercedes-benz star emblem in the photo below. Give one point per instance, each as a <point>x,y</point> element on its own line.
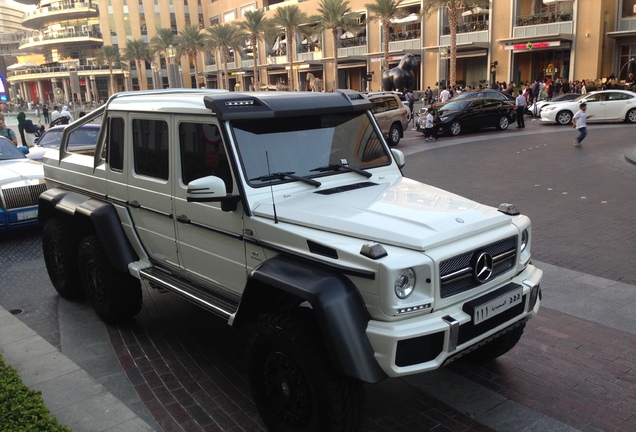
<point>482,267</point>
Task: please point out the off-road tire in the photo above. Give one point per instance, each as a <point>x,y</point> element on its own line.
<point>394,135</point>
<point>59,247</point>
<point>496,347</point>
<point>293,383</point>
<point>115,296</point>
<point>564,117</point>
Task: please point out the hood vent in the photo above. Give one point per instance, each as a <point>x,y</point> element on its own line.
<point>323,250</point>
<point>346,188</point>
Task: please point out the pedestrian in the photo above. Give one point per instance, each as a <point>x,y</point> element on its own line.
<point>444,95</point>
<point>66,113</point>
<point>428,96</point>
<point>45,114</point>
<point>521,103</point>
<point>56,114</point>
<point>433,115</point>
<point>579,121</point>
<point>6,132</point>
<point>410,98</point>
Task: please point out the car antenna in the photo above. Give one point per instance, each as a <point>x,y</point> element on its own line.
<point>271,189</point>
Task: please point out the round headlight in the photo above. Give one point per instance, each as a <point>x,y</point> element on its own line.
<point>405,283</point>
<point>525,237</point>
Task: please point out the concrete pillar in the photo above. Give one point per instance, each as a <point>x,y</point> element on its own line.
<point>66,93</point>
<point>40,92</point>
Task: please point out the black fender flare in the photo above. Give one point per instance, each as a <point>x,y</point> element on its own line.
<point>338,307</point>
<point>91,215</point>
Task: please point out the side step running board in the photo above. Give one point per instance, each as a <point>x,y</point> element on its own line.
<point>218,305</point>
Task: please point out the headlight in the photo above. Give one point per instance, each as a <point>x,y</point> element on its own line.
<point>405,283</point>
<point>443,118</point>
<point>525,237</point>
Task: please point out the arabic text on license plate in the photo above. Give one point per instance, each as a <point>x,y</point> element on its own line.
<point>31,214</point>
<point>497,306</point>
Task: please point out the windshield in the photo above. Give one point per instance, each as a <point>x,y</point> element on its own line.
<point>300,145</point>
<point>8,151</point>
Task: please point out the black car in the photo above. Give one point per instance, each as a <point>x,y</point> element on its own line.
<point>459,115</point>
<point>489,93</point>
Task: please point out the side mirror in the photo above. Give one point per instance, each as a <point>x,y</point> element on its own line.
<point>399,157</point>
<point>211,189</point>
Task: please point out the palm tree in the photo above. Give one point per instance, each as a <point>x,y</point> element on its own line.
<point>384,11</point>
<point>109,55</point>
<point>159,44</point>
<point>255,27</point>
<point>290,18</point>
<point>137,50</point>
<point>453,8</point>
<point>335,16</point>
<point>191,41</point>
<point>223,37</point>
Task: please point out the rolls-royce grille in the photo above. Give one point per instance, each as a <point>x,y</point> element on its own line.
<point>457,274</point>
<point>23,196</point>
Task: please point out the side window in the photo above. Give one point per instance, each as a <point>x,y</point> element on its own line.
<point>150,147</point>
<point>203,153</point>
<point>115,149</point>
<point>379,105</point>
<point>617,96</point>
<point>393,102</point>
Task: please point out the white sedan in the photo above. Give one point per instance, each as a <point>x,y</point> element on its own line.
<point>602,105</point>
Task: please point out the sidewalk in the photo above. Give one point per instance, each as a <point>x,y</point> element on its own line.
<point>71,394</point>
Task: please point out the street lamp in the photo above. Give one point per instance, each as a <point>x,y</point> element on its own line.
<point>631,60</point>
<point>493,74</point>
<point>443,53</point>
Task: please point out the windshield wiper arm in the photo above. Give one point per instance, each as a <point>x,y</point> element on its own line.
<point>284,175</point>
<point>338,167</point>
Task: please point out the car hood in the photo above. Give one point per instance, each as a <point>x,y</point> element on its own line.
<point>20,169</point>
<point>406,213</point>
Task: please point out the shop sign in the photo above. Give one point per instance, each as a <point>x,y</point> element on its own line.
<point>530,46</point>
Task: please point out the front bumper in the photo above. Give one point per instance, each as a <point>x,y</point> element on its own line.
<point>426,342</point>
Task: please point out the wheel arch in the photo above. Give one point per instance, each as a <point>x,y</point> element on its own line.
<point>89,216</point>
<point>337,306</point>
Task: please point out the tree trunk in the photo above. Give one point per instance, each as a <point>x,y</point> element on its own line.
<point>453,13</point>
<point>226,79</point>
<point>290,57</point>
<point>112,80</point>
<point>255,57</point>
<point>334,33</point>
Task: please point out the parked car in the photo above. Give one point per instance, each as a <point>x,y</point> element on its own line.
<point>488,93</point>
<point>459,115</point>
<point>391,115</point>
<point>81,140</point>
<point>21,183</point>
<point>536,110</point>
<point>602,105</point>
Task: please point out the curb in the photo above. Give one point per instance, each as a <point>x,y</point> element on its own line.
<point>75,398</point>
<point>631,158</point>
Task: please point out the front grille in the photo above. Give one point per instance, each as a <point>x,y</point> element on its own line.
<point>456,274</point>
<point>23,196</point>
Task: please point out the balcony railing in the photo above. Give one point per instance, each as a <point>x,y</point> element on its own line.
<point>58,37</point>
<point>82,69</point>
<point>405,35</point>
<point>56,12</point>
<point>353,42</point>
<point>543,18</point>
<point>467,27</point>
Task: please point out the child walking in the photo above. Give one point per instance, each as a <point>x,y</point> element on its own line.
<point>579,121</point>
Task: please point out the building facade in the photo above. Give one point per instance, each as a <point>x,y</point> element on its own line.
<point>515,40</point>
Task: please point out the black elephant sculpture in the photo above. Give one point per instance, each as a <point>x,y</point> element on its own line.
<point>401,77</point>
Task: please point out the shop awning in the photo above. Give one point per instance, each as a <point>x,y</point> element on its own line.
<point>407,19</point>
<point>475,11</point>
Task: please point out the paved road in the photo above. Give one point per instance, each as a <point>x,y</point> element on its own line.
<point>181,369</point>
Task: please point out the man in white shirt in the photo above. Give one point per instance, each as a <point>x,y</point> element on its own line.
<point>56,114</point>
<point>444,96</point>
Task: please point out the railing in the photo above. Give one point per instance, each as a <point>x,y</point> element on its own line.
<point>405,35</point>
<point>467,27</point>
<point>351,42</point>
<point>543,18</point>
<point>61,7</point>
<point>61,35</point>
<point>56,69</point>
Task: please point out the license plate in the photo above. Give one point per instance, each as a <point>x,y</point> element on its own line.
<point>31,214</point>
<point>493,306</point>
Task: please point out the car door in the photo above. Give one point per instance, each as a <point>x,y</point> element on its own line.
<point>596,106</point>
<point>616,104</point>
<point>474,114</point>
<point>149,186</point>
<point>209,240</point>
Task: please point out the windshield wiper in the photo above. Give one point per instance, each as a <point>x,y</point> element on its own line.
<point>284,175</point>
<point>338,167</point>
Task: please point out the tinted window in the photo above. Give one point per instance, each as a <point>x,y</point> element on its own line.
<point>618,96</point>
<point>203,153</point>
<point>51,139</point>
<point>115,155</point>
<point>150,147</point>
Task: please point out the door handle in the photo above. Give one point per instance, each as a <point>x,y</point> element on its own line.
<point>183,219</point>
<point>134,204</point>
